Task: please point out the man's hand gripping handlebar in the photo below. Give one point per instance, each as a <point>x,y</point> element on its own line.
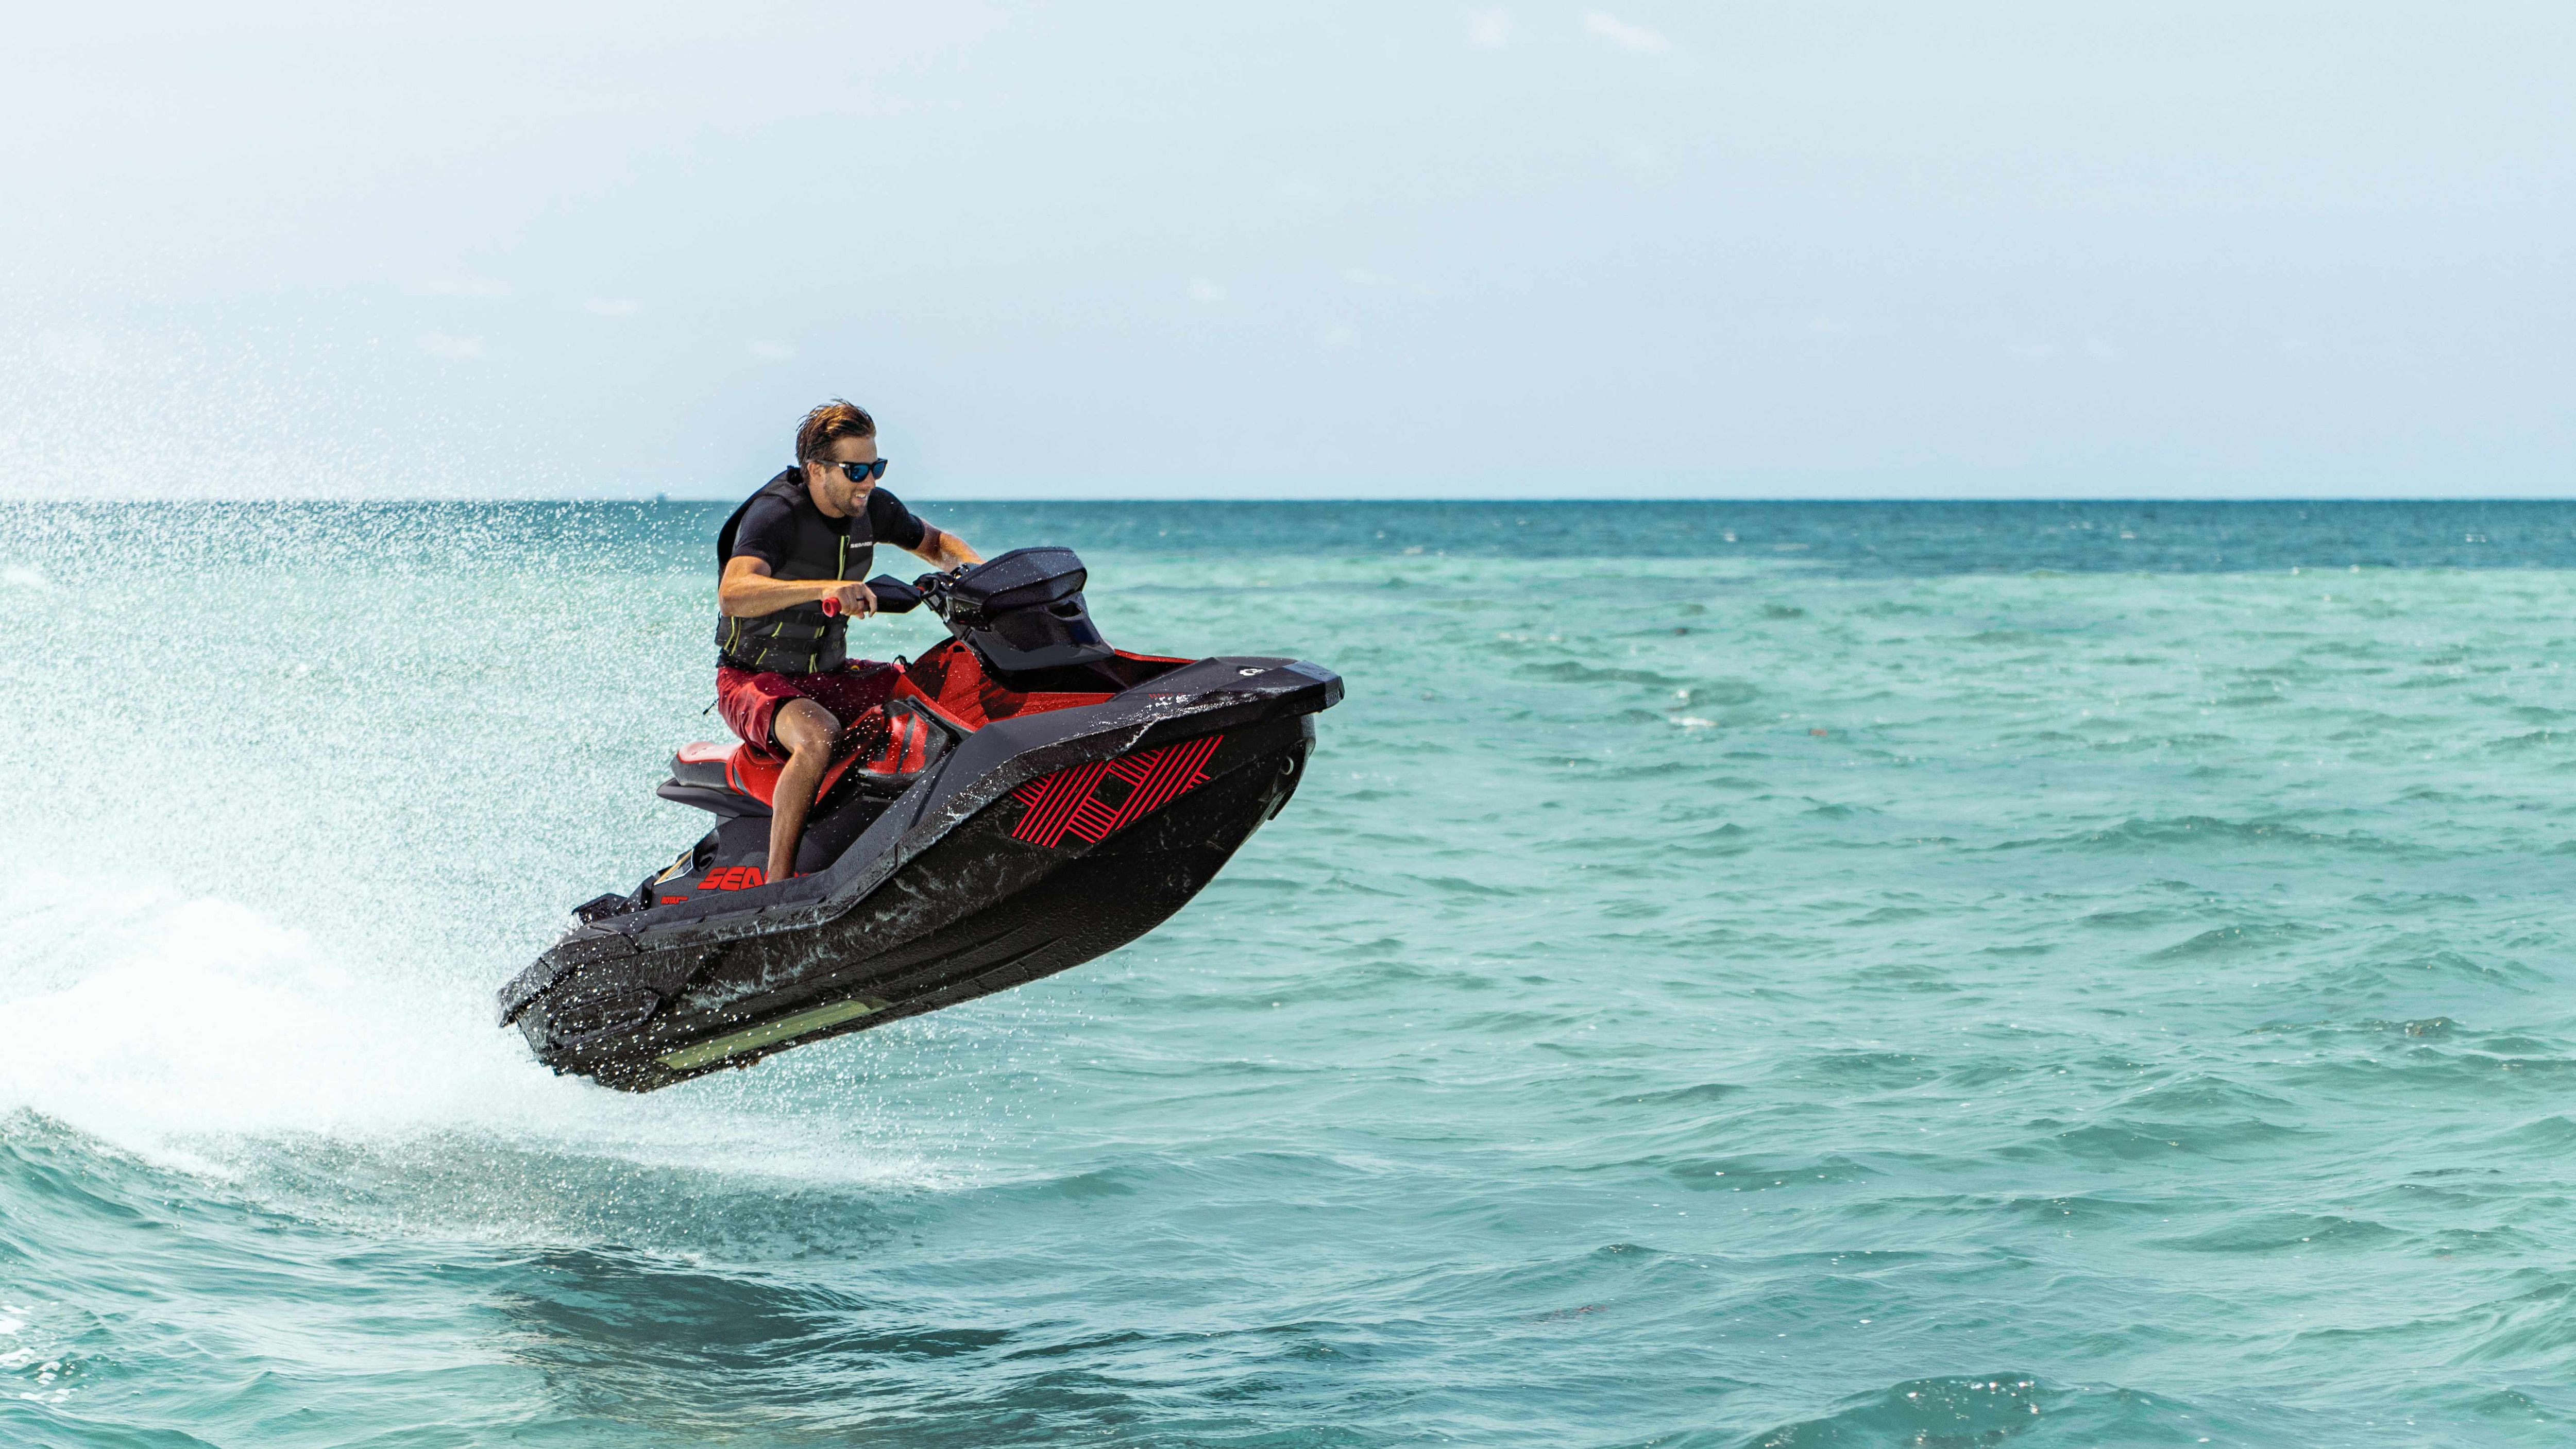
<point>857,600</point>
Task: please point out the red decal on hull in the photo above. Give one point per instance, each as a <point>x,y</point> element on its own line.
<point>1093,800</point>
<point>733,878</point>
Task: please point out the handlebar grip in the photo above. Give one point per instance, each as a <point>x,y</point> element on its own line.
<point>894,596</point>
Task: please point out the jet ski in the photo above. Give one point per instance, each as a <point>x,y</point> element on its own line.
<point>1029,798</point>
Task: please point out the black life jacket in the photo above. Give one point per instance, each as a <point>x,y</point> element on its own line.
<point>798,639</point>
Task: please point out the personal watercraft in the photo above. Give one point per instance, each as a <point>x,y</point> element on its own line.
<point>1028,799</point>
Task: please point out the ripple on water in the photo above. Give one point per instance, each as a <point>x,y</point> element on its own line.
<point>1979,1410</point>
<point>1683,1021</point>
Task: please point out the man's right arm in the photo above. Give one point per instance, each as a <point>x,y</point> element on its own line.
<point>747,591</point>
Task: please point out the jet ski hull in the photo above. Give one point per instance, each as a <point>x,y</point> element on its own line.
<point>1039,844</point>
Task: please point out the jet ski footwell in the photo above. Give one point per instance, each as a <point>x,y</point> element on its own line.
<point>1035,843</point>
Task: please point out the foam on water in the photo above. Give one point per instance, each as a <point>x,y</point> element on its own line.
<point>212,1040</point>
<point>143,1013</point>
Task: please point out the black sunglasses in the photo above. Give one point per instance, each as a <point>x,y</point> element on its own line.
<point>856,471</point>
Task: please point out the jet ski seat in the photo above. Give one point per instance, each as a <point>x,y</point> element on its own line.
<point>704,765</point>
<point>887,749</point>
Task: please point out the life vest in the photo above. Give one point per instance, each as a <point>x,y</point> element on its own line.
<point>799,639</point>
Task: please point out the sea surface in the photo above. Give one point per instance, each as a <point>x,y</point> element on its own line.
<point>1736,975</point>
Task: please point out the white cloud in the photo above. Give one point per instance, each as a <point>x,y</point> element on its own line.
<point>1363,277</point>
<point>451,348</point>
<point>1489,29</point>
<point>1637,153</point>
<point>1203,290</point>
<point>611,307</point>
<point>1603,25</point>
<point>1338,336</point>
<point>774,351</point>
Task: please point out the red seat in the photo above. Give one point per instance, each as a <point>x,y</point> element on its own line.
<point>903,739</point>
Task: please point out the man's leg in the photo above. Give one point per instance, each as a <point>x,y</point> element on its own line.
<point>806,730</point>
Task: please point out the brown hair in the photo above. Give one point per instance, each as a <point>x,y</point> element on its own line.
<point>835,419</point>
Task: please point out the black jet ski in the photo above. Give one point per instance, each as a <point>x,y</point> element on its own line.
<point>1028,799</point>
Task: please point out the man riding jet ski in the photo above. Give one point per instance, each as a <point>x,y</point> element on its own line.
<point>1018,800</point>
<point>791,558</point>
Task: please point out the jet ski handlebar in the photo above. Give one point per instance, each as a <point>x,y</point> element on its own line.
<point>894,596</point>
<point>1019,612</point>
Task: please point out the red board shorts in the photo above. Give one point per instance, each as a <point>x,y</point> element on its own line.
<point>749,702</point>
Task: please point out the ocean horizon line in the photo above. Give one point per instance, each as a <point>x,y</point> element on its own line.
<point>1337,500</point>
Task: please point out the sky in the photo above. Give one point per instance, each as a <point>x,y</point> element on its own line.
<point>1325,250</point>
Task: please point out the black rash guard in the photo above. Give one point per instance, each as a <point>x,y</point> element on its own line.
<point>781,527</point>
<point>768,529</point>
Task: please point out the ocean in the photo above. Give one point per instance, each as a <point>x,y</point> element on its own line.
<point>1753,976</point>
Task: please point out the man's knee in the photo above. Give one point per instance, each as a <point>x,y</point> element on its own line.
<point>805,727</point>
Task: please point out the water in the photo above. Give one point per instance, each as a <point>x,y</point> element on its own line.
<point>1737,975</point>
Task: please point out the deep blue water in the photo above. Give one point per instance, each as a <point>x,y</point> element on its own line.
<point>1736,975</point>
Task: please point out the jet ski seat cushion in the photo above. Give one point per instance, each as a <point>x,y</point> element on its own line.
<point>888,747</point>
<point>703,764</point>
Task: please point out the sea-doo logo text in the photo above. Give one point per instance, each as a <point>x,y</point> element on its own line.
<point>1092,800</point>
<point>734,878</point>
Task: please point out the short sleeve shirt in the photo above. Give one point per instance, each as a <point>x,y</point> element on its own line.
<point>768,530</point>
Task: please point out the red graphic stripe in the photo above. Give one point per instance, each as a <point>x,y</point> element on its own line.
<point>1077,796</point>
<point>1178,771</point>
<point>1068,802</point>
<point>1151,784</point>
<point>1057,796</point>
<point>1092,821</point>
<point>1039,796</point>
<point>1094,817</point>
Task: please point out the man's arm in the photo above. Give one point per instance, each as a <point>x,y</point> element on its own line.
<point>945,550</point>
<point>747,591</point>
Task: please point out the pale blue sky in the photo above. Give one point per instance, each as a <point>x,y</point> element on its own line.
<point>1815,249</point>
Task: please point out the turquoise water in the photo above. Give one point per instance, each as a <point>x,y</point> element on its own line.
<point>1735,975</point>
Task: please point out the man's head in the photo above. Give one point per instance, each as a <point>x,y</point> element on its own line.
<point>833,437</point>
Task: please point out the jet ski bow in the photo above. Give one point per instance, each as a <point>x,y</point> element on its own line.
<point>1028,799</point>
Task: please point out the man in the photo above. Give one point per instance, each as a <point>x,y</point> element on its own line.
<point>784,679</point>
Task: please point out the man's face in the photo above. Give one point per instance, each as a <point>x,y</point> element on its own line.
<point>834,486</point>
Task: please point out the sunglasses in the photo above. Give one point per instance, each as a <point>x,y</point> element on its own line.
<point>856,471</point>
